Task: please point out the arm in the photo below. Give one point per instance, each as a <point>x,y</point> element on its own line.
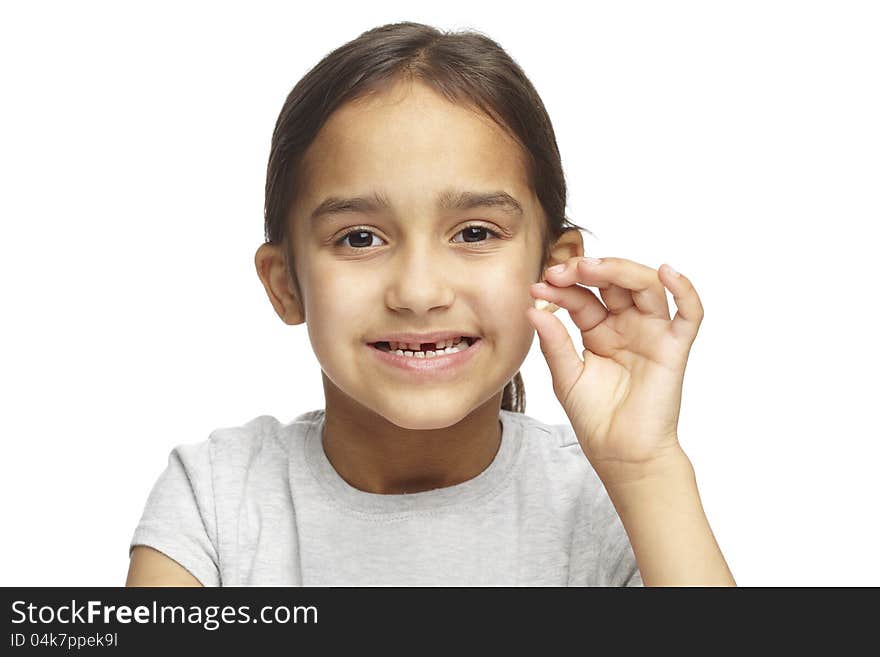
<point>174,541</point>
<point>667,527</point>
<point>149,567</point>
<point>623,400</point>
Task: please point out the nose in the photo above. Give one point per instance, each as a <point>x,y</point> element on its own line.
<point>420,280</point>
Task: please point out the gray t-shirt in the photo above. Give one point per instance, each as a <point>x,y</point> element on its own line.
<point>262,505</point>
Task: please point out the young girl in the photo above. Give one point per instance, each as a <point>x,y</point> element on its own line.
<point>414,200</point>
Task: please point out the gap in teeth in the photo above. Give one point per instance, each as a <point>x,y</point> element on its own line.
<point>414,350</point>
<point>412,346</point>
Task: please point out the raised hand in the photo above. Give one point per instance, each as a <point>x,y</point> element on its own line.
<point>623,398</point>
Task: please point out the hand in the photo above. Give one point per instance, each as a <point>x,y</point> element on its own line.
<point>623,398</point>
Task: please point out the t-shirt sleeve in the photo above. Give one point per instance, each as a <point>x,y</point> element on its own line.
<point>179,518</point>
<point>617,562</point>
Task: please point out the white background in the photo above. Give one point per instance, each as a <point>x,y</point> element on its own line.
<point>736,141</point>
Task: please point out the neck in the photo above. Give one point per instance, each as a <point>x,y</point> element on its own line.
<point>376,456</point>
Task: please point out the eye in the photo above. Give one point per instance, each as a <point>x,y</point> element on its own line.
<point>361,237</point>
<point>475,230</point>
<point>358,235</point>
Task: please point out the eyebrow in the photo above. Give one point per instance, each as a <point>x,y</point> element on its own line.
<point>447,200</point>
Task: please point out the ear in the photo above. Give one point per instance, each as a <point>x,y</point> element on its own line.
<point>569,245</point>
<point>271,269</point>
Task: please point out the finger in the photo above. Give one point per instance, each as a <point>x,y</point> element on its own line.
<point>689,313</point>
<point>622,284</point>
<point>559,352</point>
<point>586,311</point>
<point>566,276</point>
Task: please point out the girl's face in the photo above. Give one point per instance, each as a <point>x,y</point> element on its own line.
<point>422,266</point>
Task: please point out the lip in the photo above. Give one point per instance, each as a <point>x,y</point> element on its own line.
<point>438,366</point>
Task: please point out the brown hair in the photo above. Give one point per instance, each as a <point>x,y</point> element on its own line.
<point>465,67</point>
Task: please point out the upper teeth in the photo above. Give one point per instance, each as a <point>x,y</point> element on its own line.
<point>415,346</point>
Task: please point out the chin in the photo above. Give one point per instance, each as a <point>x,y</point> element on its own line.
<point>424,417</point>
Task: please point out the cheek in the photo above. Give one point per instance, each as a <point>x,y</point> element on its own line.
<point>504,297</point>
<point>335,300</point>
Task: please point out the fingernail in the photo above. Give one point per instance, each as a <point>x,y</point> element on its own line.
<point>592,261</point>
<point>672,271</point>
<point>557,269</point>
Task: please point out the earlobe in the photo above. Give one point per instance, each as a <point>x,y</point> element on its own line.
<point>269,263</point>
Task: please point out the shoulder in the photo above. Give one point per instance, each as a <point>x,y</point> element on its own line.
<point>197,499</point>
<point>553,441</point>
<point>242,445</point>
<point>542,434</point>
<point>231,454</point>
<point>552,451</point>
<point>237,444</point>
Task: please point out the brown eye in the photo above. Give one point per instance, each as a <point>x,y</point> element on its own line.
<point>359,238</point>
<point>474,232</point>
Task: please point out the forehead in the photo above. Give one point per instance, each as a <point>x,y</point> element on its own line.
<point>412,143</point>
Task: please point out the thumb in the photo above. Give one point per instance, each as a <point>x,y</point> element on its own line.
<point>564,362</point>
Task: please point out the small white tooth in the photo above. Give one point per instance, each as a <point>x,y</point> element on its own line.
<point>542,304</point>
<point>432,353</point>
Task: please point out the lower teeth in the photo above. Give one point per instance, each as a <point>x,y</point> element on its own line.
<point>461,346</point>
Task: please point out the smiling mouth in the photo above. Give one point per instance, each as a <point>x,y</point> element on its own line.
<point>428,349</point>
